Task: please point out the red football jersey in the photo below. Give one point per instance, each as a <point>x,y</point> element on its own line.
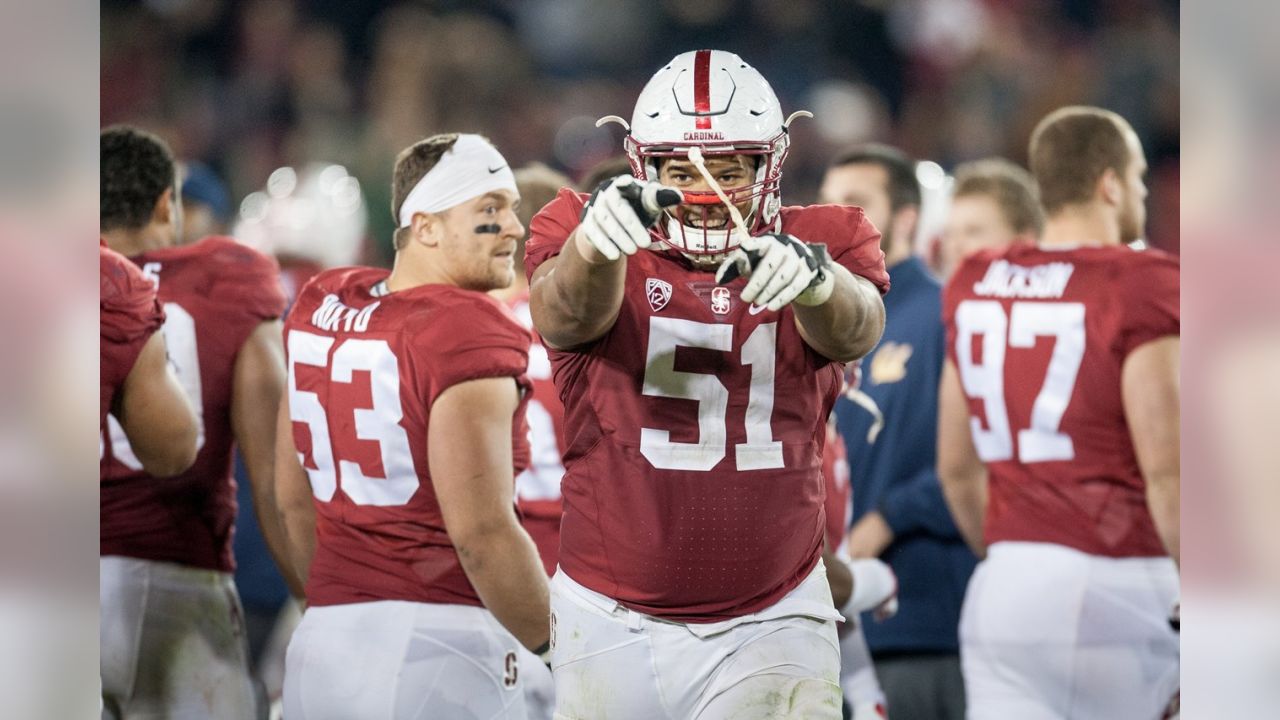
<point>538,487</point>
<point>694,430</point>
<point>365,368</point>
<point>1039,338</point>
<point>215,293</point>
<point>835,472</point>
<point>128,313</point>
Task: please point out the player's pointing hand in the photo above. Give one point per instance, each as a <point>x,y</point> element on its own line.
<point>618,216</point>
<point>783,269</point>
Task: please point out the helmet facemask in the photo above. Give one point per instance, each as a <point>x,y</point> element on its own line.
<point>758,200</point>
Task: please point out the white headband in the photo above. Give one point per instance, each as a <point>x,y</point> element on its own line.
<point>469,169</point>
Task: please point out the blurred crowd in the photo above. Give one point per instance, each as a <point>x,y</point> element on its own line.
<point>249,86</point>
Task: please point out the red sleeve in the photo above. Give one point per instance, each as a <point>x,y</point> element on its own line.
<point>850,238</point>
<point>251,276</point>
<point>129,313</point>
<point>551,227</point>
<point>475,339</point>
<point>1150,291</point>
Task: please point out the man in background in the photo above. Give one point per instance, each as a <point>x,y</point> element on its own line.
<point>173,640</point>
<point>136,385</point>
<point>538,486</point>
<point>899,513</point>
<point>994,204</point>
<point>1058,442</point>
<point>206,204</point>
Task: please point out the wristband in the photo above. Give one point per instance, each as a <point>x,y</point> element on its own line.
<point>874,588</point>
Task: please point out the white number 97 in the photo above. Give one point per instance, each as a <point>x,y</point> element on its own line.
<point>1042,442</point>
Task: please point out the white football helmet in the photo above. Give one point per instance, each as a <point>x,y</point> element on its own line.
<point>714,100</point>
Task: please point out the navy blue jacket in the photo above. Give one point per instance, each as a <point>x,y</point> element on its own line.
<point>896,475</point>
<point>262,588</point>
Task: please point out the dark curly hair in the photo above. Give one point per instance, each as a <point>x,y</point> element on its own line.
<point>136,168</point>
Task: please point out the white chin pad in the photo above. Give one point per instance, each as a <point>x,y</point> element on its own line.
<point>698,240</point>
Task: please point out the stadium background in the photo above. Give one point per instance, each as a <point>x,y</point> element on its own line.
<point>248,86</point>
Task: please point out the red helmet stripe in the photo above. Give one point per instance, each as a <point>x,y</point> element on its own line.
<point>702,88</point>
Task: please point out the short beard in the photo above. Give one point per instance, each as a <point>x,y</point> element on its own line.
<point>1130,228</point>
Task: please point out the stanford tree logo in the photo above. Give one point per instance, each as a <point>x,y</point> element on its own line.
<point>720,300</point>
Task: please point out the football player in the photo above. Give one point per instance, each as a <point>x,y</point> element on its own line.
<point>538,486</point>
<point>397,448</point>
<point>1058,442</point>
<point>698,365</point>
<point>137,386</point>
<point>172,633</point>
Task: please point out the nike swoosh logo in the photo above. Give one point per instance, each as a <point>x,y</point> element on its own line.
<point>755,309</point>
<point>494,170</point>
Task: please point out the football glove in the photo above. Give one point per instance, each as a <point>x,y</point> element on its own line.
<point>875,588</point>
<point>782,270</point>
<point>617,218</point>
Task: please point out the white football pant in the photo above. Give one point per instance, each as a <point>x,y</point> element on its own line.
<point>172,643</point>
<point>1051,633</point>
<point>398,660</point>
<point>608,661</point>
<point>858,675</point>
<point>539,686</point>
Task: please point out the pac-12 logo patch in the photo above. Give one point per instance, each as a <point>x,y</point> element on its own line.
<point>720,300</point>
<point>658,292</point>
